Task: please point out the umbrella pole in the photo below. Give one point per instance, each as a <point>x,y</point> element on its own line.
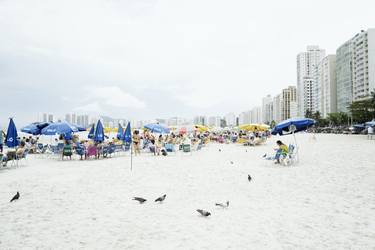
<point>295,142</point>
<point>131,156</point>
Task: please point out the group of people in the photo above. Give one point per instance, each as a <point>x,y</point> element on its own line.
<point>14,153</point>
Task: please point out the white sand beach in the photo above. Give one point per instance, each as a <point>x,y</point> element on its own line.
<point>327,201</point>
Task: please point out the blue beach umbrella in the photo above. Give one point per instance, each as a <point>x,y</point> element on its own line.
<point>32,129</point>
<point>157,128</point>
<point>120,132</point>
<point>11,138</point>
<point>92,132</point>
<point>293,125</point>
<point>99,132</point>
<point>58,128</point>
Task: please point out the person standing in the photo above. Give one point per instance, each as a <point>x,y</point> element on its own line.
<point>2,136</point>
<point>136,141</point>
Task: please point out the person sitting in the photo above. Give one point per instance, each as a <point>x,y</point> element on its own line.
<point>282,151</point>
<point>67,150</point>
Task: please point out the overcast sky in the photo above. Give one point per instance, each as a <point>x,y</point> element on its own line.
<point>142,59</point>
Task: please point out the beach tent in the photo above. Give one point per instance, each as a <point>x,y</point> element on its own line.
<point>157,128</point>
<point>91,132</point>
<point>58,128</point>
<point>120,132</point>
<point>11,138</point>
<point>99,132</point>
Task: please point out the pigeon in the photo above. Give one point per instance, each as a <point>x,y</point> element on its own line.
<point>264,156</point>
<point>225,205</point>
<point>161,198</point>
<point>203,212</point>
<point>141,200</point>
<point>249,177</point>
<point>16,197</point>
<point>219,150</point>
<point>231,162</point>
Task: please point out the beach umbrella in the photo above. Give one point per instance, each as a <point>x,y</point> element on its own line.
<point>58,128</point>
<point>99,132</point>
<point>127,138</point>
<point>157,128</point>
<point>80,128</point>
<point>292,126</point>
<point>120,131</point>
<point>32,129</point>
<point>254,127</point>
<point>11,138</point>
<point>201,128</point>
<point>92,132</point>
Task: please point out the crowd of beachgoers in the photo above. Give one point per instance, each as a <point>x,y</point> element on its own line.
<point>143,141</point>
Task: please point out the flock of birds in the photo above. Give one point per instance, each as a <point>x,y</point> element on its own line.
<point>160,199</point>
<point>204,213</point>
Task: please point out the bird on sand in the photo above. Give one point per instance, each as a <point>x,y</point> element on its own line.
<point>248,177</point>
<point>223,205</point>
<point>139,199</point>
<point>203,212</point>
<point>16,197</point>
<point>161,198</point>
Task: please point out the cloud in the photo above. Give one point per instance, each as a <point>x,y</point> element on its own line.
<point>93,107</point>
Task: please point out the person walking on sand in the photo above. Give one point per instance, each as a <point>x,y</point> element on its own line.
<point>136,141</point>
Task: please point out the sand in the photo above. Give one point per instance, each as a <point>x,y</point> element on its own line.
<point>327,201</point>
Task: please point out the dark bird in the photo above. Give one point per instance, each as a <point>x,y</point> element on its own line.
<point>225,205</point>
<point>219,150</point>
<point>16,197</point>
<point>231,162</point>
<point>265,155</point>
<point>248,177</point>
<point>141,200</point>
<point>203,212</point>
<point>161,198</point>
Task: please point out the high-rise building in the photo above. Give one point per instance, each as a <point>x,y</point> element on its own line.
<point>355,69</point>
<point>256,115</point>
<point>68,118</point>
<point>74,118</point>
<point>306,87</point>
<point>45,117</point>
<point>50,118</point>
<point>276,104</point>
<point>326,82</point>
<point>244,118</point>
<point>288,102</point>
<point>363,45</point>
<point>200,120</point>
<point>214,121</point>
<point>344,80</point>
<point>267,109</point>
<point>230,119</point>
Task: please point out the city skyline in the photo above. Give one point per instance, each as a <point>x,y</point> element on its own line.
<point>212,66</point>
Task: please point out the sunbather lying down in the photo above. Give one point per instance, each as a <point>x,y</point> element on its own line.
<point>281,151</point>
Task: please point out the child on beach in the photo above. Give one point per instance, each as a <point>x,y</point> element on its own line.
<point>282,150</point>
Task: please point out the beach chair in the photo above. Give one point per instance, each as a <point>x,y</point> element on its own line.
<point>92,150</point>
<point>80,150</point>
<point>186,148</point>
<point>292,157</point>
<point>67,151</point>
<point>169,147</point>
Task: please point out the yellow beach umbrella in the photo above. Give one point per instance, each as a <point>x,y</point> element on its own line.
<point>254,127</point>
<point>201,128</point>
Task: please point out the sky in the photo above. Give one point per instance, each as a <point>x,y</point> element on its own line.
<point>143,59</point>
